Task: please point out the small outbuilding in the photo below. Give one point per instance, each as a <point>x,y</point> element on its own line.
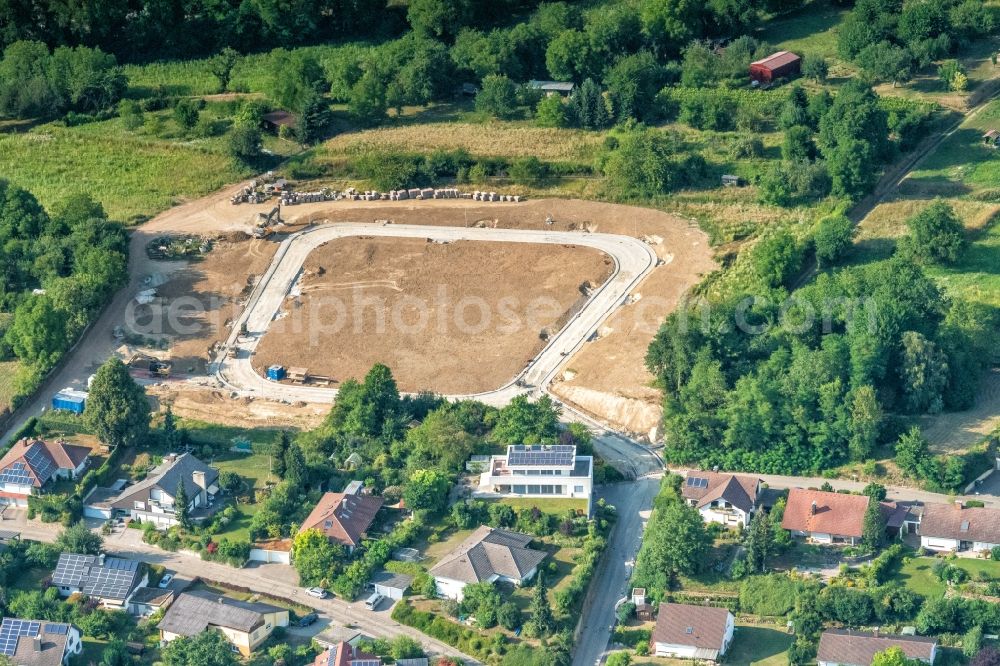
<point>783,64</point>
<point>275,120</point>
<point>563,88</point>
<point>392,585</point>
<point>992,138</point>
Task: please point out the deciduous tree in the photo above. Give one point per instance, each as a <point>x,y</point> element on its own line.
<point>117,409</point>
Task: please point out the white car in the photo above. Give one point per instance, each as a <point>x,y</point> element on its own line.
<point>317,592</point>
<point>165,581</point>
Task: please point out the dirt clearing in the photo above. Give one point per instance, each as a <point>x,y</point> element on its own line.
<point>455,318</point>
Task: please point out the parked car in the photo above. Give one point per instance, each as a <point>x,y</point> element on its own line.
<point>317,592</point>
<point>306,620</point>
<point>372,602</point>
<point>165,581</point>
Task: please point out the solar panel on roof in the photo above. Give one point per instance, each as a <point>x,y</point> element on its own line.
<point>11,630</point>
<point>560,455</point>
<point>59,629</point>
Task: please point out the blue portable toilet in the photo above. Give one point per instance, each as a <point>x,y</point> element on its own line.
<point>70,400</point>
<point>276,373</point>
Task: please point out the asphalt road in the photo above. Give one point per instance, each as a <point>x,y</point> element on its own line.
<point>633,261</point>
<point>633,500</point>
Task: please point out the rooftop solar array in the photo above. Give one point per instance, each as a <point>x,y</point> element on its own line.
<point>697,482</point>
<point>17,474</point>
<point>60,629</point>
<point>34,468</point>
<point>112,580</point>
<point>560,455</point>
<point>365,662</point>
<point>11,630</point>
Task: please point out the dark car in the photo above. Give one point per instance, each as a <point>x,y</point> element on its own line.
<point>306,620</point>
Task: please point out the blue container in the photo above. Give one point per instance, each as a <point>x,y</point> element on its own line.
<point>69,403</point>
<point>276,373</point>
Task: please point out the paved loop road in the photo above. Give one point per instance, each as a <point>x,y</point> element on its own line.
<point>633,260</point>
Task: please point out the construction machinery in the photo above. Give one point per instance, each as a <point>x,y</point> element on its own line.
<point>155,367</point>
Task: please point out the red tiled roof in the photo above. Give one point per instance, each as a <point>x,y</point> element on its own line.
<point>343,518</point>
<point>834,513</point>
<point>775,60</point>
<point>56,455</point>
<point>343,654</point>
<point>684,624</point>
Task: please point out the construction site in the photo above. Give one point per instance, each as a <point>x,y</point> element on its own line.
<point>605,377</point>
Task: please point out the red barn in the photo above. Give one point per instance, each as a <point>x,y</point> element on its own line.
<point>775,66</point>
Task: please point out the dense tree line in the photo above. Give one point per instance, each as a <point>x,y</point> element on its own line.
<point>56,271</point>
<point>891,39</point>
<point>758,382</point>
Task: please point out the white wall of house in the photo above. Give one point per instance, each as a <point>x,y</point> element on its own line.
<point>74,645</point>
<point>982,546</point>
<point>938,543</point>
<point>450,588</point>
<point>393,593</point>
<point>730,517</point>
<point>671,650</point>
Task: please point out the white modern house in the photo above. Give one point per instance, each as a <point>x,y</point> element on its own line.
<point>539,471</point>
<point>727,499</point>
<point>488,555</point>
<point>954,528</point>
<point>693,632</point>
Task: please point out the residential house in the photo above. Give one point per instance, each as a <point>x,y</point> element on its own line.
<point>244,624</point>
<point>825,517</point>
<point>147,600</point>
<point>344,519</point>
<point>152,500</point>
<point>345,654</point>
<point>539,471</point>
<point>843,647</point>
<point>488,554</point>
<point>30,464</point>
<point>956,527</point>
<point>111,580</point>
<point>728,499</point>
<point>693,632</point>
<point>392,585</point>
<point>38,642</point>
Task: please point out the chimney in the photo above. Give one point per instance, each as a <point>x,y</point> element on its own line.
<point>199,479</point>
<point>812,508</point>
<point>100,560</point>
<point>959,504</point>
<point>36,643</point>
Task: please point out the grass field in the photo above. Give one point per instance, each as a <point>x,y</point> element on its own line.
<point>132,175</point>
<point>556,506</point>
<point>7,371</point>
<point>811,30</point>
<point>759,646</point>
<point>239,529</point>
<point>917,574</point>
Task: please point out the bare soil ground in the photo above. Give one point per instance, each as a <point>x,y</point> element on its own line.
<point>606,378</point>
<point>455,318</point>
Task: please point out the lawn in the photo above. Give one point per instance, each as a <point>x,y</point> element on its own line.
<point>810,30</point>
<point>239,529</point>
<point>759,646</point>
<point>556,506</point>
<point>255,466</point>
<point>917,574</point>
<point>7,372</point>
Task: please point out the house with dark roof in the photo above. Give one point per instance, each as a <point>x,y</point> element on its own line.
<point>693,632</point>
<point>956,527</point>
<point>30,464</point>
<point>563,88</point>
<point>111,580</point>
<point>825,517</point>
<point>152,499</point>
<point>488,554</point>
<point>147,600</point>
<point>539,471</point>
<point>245,624</point>
<point>345,654</point>
<point>728,499</point>
<point>343,518</point>
<point>38,643</point>
<point>842,647</point>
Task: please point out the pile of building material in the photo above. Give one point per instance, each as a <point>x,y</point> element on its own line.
<point>318,196</point>
<point>493,196</point>
<point>260,189</point>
